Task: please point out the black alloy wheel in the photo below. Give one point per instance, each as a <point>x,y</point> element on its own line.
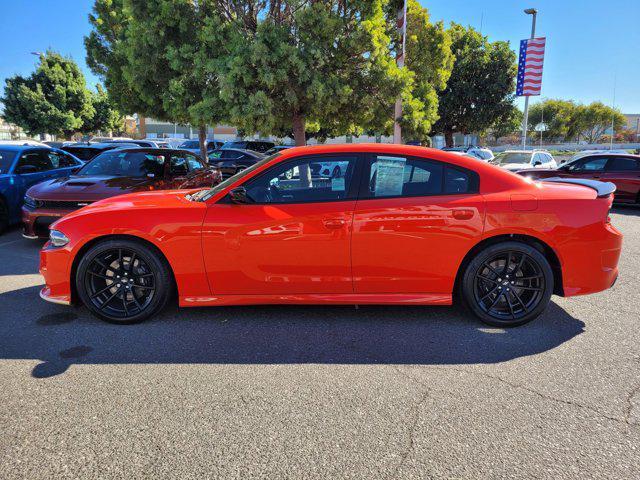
<point>508,284</point>
<point>123,281</point>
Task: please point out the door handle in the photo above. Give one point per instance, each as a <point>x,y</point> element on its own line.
<point>334,223</point>
<point>462,214</point>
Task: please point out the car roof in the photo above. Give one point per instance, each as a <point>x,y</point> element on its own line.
<point>16,148</point>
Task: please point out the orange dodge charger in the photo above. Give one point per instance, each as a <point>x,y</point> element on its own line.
<point>341,224</point>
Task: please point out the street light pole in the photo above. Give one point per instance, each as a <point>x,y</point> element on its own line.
<point>533,12</point>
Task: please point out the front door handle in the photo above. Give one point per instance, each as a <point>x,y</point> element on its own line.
<point>462,214</point>
<point>334,223</point>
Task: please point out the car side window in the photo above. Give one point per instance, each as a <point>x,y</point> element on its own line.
<point>304,180</point>
<point>537,159</point>
<point>623,164</point>
<point>230,154</point>
<point>37,159</point>
<point>67,160</point>
<point>589,165</point>
<point>394,176</point>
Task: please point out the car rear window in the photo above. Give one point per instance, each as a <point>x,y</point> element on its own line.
<point>125,164</point>
<point>6,159</point>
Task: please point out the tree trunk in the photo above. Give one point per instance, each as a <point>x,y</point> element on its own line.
<point>300,138</point>
<point>202,138</point>
<point>448,138</point>
<point>142,126</point>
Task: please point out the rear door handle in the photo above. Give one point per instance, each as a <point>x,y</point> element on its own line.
<point>462,214</point>
<point>334,223</point>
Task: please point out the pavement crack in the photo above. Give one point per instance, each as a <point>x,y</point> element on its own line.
<point>415,417</point>
<point>628,408</point>
<point>555,399</point>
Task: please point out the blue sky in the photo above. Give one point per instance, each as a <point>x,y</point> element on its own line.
<point>589,42</point>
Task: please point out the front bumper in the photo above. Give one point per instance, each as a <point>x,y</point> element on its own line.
<point>35,223</point>
<point>55,267</point>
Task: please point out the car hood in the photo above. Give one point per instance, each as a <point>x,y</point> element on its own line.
<point>88,188</point>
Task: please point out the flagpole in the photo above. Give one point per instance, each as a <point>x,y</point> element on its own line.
<point>400,60</point>
<point>525,120</point>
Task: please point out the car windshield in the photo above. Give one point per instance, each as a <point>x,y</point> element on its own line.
<point>513,157</point>
<point>190,144</point>
<point>6,158</point>
<point>203,195</point>
<point>125,164</point>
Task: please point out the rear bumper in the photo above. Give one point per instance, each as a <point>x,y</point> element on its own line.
<point>592,266</point>
<point>35,223</point>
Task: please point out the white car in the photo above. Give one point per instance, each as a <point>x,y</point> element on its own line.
<point>481,153</point>
<point>514,160</point>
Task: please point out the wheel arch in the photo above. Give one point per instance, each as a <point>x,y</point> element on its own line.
<point>94,241</point>
<point>535,242</point>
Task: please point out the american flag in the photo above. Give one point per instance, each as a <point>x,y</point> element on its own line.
<point>530,66</point>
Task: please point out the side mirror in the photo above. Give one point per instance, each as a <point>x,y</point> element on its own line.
<point>239,195</point>
<point>21,170</point>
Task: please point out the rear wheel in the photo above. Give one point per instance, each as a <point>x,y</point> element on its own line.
<point>123,281</point>
<point>507,284</point>
<point>4,216</point>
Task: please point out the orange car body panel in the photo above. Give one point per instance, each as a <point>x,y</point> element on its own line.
<point>404,250</point>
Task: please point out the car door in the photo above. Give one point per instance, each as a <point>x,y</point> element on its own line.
<point>590,168</point>
<point>414,221</point>
<point>625,173</point>
<point>293,237</point>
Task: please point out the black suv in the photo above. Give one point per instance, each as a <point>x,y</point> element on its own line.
<point>256,145</point>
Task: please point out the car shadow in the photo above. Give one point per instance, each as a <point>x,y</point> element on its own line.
<point>631,210</point>
<point>60,336</point>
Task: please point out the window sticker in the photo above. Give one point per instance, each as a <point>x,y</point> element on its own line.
<point>337,184</point>
<point>389,172</point>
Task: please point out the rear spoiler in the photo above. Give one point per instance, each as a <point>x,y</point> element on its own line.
<point>604,189</point>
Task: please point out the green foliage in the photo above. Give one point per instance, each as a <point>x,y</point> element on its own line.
<point>106,117</point>
<point>326,62</point>
<point>106,47</point>
<point>480,89</point>
<point>507,124</point>
<point>567,120</point>
<point>429,58</point>
<point>54,99</point>
<point>595,118</point>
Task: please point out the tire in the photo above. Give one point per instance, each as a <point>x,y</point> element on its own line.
<point>4,216</point>
<point>105,286</point>
<point>512,296</point>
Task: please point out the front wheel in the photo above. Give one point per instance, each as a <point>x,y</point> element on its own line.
<point>123,281</point>
<point>507,284</point>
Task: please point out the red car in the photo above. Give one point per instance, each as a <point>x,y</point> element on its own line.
<point>622,170</point>
<point>112,173</point>
<point>397,225</point>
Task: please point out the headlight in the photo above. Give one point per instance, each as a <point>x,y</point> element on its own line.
<point>30,202</point>
<point>57,238</point>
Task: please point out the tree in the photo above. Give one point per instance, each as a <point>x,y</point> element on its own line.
<point>429,58</point>
<point>480,89</point>
<point>106,117</point>
<point>560,117</point>
<point>292,62</point>
<point>54,99</point>
<point>158,51</point>
<point>106,47</point>
<point>508,123</point>
<point>596,118</point>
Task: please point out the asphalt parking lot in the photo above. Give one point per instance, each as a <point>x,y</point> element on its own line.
<point>319,392</point>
